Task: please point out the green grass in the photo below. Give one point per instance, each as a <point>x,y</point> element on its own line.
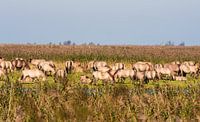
<point>74,79</point>
<point>72,101</point>
<point>162,100</point>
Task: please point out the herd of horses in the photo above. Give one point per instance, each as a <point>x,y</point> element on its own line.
<point>100,70</point>
<point>142,71</point>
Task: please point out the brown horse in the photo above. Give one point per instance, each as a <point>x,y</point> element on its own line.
<point>20,63</point>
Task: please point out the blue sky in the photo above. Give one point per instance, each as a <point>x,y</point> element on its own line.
<point>100,21</point>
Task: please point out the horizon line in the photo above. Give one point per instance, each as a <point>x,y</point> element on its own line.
<point>87,44</point>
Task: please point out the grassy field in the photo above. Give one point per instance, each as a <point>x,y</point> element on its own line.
<point>71,101</point>
<point>129,54</point>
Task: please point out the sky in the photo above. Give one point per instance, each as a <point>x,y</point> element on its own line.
<point>137,22</point>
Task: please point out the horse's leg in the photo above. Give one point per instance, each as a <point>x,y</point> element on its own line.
<point>123,79</point>
<point>67,70</point>
<point>105,82</point>
<point>22,77</point>
<point>112,82</point>
<point>159,77</point>
<point>184,74</point>
<point>45,72</point>
<point>172,76</point>
<point>94,80</point>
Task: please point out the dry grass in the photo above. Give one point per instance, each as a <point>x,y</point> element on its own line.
<point>70,101</point>
<point>44,102</point>
<point>108,53</point>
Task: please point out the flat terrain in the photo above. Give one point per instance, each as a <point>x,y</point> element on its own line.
<point>70,100</point>
<point>107,53</point>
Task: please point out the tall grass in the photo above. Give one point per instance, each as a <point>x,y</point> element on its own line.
<point>156,54</point>
<point>71,101</point>
<point>44,101</point>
